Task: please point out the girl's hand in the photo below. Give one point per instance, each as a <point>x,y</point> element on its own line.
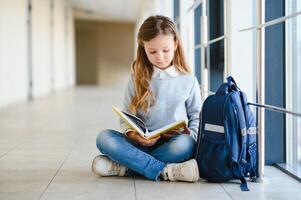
<point>142,141</point>
<point>172,133</point>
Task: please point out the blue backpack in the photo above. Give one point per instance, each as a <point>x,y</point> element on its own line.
<point>227,138</point>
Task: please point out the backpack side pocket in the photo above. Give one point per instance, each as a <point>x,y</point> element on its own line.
<point>252,158</point>
<point>213,161</point>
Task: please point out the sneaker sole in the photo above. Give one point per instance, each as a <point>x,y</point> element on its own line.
<point>93,166</point>
<point>196,169</point>
<point>121,173</point>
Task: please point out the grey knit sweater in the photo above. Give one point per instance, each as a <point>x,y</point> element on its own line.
<point>177,98</point>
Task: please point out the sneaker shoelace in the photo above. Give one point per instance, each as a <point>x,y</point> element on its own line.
<point>115,169</point>
<point>177,171</point>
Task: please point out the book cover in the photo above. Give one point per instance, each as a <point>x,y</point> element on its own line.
<point>138,125</point>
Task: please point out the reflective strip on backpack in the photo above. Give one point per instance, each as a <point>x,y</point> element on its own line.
<point>214,128</point>
<point>250,131</point>
<point>243,132</point>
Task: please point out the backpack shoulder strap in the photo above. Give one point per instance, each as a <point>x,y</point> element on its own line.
<point>236,99</point>
<point>251,137</point>
<point>250,118</point>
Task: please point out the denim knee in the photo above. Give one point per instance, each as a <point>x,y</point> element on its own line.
<point>182,145</point>
<point>106,140</point>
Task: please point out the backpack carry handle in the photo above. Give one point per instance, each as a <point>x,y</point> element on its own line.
<point>231,80</point>
<point>232,84</point>
<point>228,86</point>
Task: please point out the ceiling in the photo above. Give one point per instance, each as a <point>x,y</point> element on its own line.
<point>108,10</point>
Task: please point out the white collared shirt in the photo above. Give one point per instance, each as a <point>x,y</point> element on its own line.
<point>171,71</point>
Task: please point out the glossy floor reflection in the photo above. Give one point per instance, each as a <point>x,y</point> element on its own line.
<point>47,145</point>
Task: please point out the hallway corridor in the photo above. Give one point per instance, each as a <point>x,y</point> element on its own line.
<point>46,148</point>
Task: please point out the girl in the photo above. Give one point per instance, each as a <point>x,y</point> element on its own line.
<point>160,91</point>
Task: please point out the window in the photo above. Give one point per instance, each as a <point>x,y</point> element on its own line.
<point>209,44</point>
<point>216,49</point>
<point>293,86</point>
<point>176,11</point>
<point>197,41</point>
<point>274,82</point>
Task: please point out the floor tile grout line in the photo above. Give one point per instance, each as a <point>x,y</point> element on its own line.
<point>11,149</point>
<point>57,171</point>
<point>226,191</point>
<point>135,189</point>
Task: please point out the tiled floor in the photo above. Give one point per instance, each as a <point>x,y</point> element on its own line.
<point>46,147</point>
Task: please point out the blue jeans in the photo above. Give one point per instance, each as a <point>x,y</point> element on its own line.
<point>147,161</point>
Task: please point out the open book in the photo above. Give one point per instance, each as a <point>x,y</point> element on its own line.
<point>138,125</point>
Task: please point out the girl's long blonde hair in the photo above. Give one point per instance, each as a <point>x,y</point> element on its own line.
<point>142,69</point>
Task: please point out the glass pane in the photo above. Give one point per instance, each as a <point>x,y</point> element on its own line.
<point>216,65</point>
<point>176,10</point>
<point>293,82</point>
<point>297,82</point>
<point>216,19</point>
<point>216,50</point>
<point>197,41</point>
<point>274,67</point>
<point>197,25</point>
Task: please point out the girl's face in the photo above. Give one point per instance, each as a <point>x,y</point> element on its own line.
<point>160,50</point>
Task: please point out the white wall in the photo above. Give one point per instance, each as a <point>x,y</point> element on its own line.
<point>13,54</point>
<point>59,34</point>
<point>70,49</point>
<point>54,42</point>
<point>52,46</point>
<point>242,54</point>
<point>53,66</point>
<point>114,54</point>
<point>187,31</point>
<point>104,52</point>
<point>41,47</point>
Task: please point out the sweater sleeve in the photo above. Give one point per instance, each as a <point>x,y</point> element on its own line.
<point>193,107</point>
<point>128,95</point>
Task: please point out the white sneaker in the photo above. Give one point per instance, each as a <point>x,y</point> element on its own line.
<point>185,171</point>
<point>103,166</point>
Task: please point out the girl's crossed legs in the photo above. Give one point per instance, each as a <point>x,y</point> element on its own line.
<point>149,161</point>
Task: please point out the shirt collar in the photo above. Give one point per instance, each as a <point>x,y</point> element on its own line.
<point>171,71</point>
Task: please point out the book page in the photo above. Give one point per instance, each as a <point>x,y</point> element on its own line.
<point>137,121</point>
<point>132,121</point>
<point>140,126</point>
<point>173,126</point>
